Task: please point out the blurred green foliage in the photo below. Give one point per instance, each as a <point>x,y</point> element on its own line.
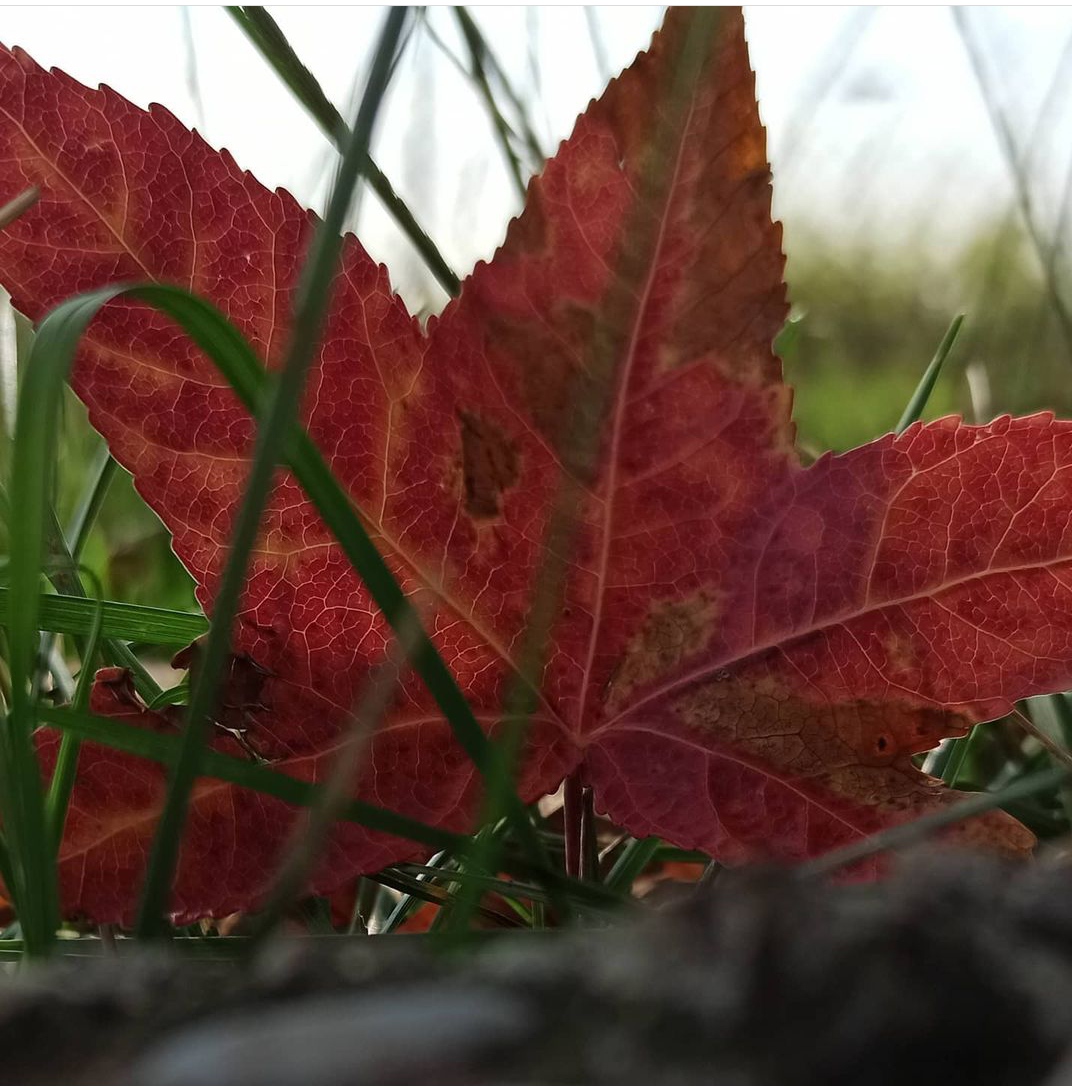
<point>869,315</point>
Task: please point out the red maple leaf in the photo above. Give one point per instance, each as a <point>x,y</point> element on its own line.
<point>747,652</point>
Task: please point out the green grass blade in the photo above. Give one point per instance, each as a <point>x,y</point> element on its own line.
<point>485,883</point>
<point>263,31</point>
<point>6,872</point>
<point>307,845</point>
<point>226,347</point>
<point>101,475</point>
<point>951,762</point>
<point>270,41</point>
<point>408,903</point>
<point>630,864</point>
<point>496,72</point>
<point>474,41</point>
<point>63,575</point>
<point>180,693</point>
<point>914,832</point>
<point>164,749</point>
<point>63,774</point>
<point>67,615</point>
<point>312,303</point>
<point>22,799</point>
<point>918,402</point>
<point>1056,712</point>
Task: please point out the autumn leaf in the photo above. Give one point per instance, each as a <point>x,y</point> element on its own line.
<point>745,652</point>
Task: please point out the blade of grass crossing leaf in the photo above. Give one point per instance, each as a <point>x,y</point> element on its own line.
<point>15,207</point>
<point>246,375</point>
<point>918,402</point>
<point>164,749</point>
<point>307,843</point>
<point>914,832</point>
<point>313,300</point>
<point>171,696</point>
<point>226,347</point>
<point>264,33</point>
<point>67,615</point>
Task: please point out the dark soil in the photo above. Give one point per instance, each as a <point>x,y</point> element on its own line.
<point>959,970</point>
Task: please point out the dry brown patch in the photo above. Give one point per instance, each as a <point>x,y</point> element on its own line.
<point>489,465</point>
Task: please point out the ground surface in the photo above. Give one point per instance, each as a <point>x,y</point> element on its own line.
<point>956,971</point>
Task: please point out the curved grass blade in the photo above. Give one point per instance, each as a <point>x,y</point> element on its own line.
<point>227,348</point>
<point>264,33</point>
<point>22,801</point>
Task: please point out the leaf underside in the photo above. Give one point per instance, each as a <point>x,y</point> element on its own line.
<point>746,652</point>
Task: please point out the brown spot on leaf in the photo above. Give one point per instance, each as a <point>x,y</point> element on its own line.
<point>672,632</point>
<point>489,465</point>
<point>759,714</point>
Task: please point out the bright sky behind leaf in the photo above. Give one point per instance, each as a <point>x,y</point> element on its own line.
<point>875,117</point>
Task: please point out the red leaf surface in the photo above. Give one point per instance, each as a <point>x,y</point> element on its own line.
<point>746,652</point>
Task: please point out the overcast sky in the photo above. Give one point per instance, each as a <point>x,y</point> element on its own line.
<point>875,116</point>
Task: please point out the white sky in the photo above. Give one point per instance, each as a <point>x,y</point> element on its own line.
<point>875,118</point>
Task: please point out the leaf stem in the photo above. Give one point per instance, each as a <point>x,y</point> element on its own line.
<point>572,809</point>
